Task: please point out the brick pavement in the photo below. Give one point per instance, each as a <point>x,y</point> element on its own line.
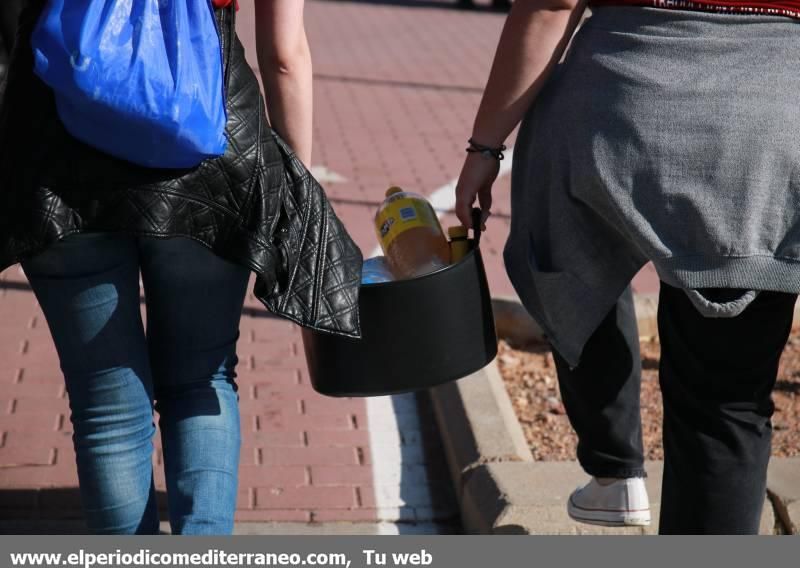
<point>305,457</point>
<point>396,87</point>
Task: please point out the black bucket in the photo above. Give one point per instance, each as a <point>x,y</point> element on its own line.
<point>416,334</point>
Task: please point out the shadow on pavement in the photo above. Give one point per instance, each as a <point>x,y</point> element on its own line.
<point>49,511</point>
<point>438,4</point>
<point>370,82</point>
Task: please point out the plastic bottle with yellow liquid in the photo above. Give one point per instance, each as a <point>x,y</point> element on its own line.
<point>410,234</point>
<point>459,243</point>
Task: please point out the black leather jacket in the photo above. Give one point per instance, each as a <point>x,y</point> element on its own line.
<point>257,205</point>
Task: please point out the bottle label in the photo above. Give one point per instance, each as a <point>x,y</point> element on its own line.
<point>401,215</point>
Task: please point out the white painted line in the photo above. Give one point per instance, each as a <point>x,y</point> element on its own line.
<point>444,198</point>
<point>393,421</point>
<point>400,488</point>
<point>323,175</point>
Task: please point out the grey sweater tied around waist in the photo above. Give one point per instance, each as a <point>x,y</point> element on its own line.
<point>666,136</point>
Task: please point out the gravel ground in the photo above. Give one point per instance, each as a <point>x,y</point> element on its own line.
<point>530,378</point>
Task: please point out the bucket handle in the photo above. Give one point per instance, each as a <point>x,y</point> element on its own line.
<point>477,215</point>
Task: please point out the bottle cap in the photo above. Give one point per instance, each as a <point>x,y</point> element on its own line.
<point>392,190</point>
<point>457,232</point>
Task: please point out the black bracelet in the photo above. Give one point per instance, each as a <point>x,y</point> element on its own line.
<point>487,151</point>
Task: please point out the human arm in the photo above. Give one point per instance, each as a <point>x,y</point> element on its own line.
<point>284,60</point>
<point>533,40</point>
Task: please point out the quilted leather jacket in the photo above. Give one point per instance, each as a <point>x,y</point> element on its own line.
<point>257,205</point>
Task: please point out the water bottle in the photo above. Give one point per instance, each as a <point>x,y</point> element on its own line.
<point>459,243</point>
<point>376,271</point>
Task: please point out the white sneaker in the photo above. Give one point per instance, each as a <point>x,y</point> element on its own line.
<point>624,502</point>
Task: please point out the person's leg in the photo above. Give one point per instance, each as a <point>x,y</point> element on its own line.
<point>716,377</point>
<point>601,396</point>
<point>194,304</point>
<point>88,288</point>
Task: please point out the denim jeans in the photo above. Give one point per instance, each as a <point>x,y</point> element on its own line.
<point>116,372</point>
<point>602,396</point>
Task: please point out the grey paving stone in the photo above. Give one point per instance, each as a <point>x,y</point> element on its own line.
<point>477,423</point>
<point>530,498</point>
<point>783,486</point>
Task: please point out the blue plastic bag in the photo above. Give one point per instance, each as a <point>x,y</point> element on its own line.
<point>141,80</point>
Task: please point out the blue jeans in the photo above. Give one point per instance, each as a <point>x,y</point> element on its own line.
<point>88,287</point>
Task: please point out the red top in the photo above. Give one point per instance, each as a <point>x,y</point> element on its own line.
<point>223,3</point>
<point>789,8</point>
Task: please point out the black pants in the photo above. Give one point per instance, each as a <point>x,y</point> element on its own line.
<point>716,378</point>
<point>601,396</point>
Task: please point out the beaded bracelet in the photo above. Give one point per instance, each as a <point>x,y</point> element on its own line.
<point>487,151</point>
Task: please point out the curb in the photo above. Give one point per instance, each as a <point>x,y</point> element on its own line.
<point>514,323</point>
<point>502,490</point>
<point>478,426</point>
<point>783,489</point>
<point>530,499</point>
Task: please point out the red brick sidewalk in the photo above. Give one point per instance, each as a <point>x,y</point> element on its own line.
<point>391,89</point>
<point>305,457</point>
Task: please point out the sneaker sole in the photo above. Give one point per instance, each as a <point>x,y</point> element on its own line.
<point>608,518</point>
